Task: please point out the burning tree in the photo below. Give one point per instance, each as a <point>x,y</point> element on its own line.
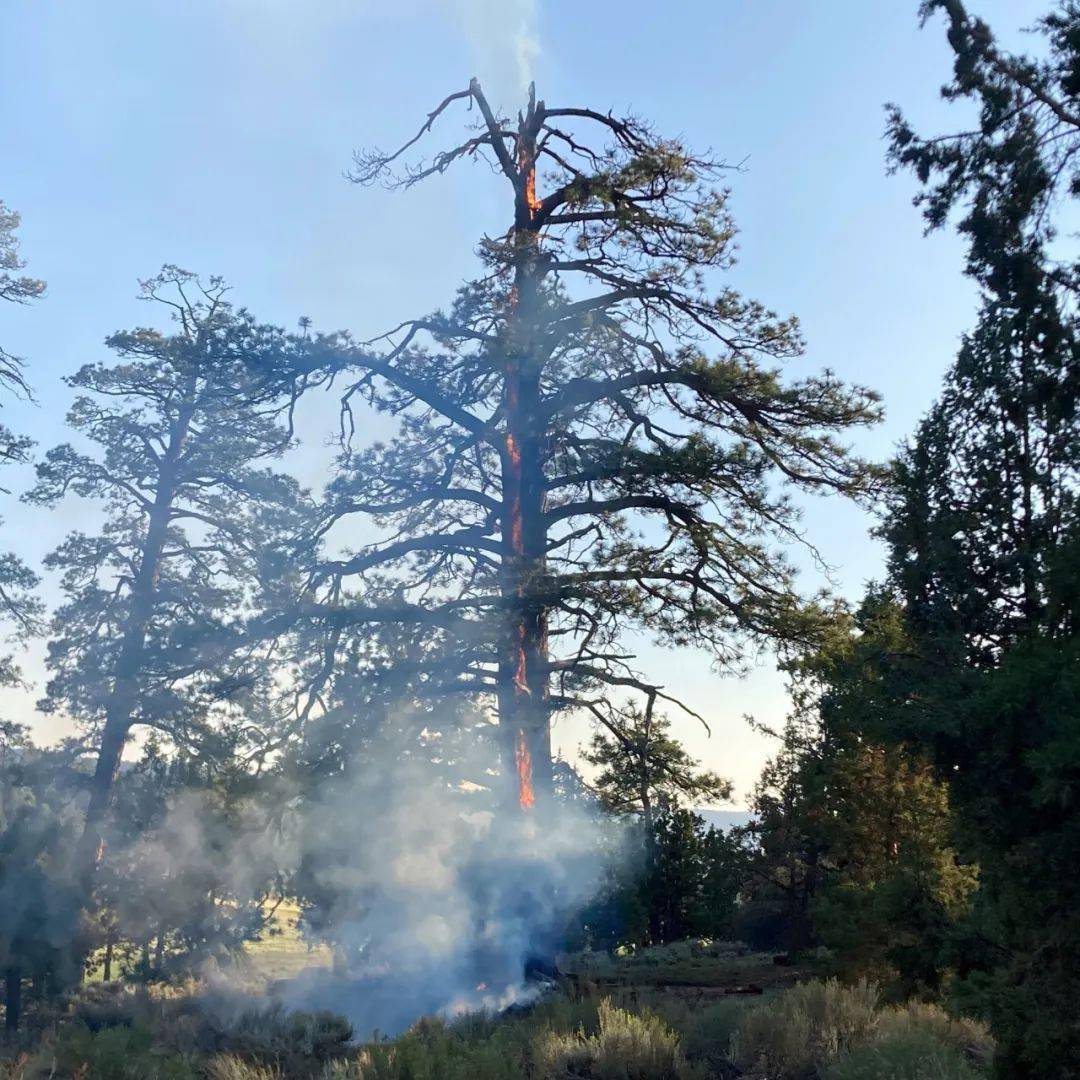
<point>591,443</point>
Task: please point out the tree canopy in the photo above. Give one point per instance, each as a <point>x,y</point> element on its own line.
<point>594,438</point>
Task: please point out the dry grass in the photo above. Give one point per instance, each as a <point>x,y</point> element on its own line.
<point>231,1067</point>
<point>281,953</point>
<point>968,1037</point>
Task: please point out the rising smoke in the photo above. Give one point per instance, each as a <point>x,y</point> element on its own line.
<point>435,901</point>
<point>503,36</point>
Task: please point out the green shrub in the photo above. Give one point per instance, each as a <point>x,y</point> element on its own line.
<point>707,1033</point>
<point>476,1048</point>
<point>914,1054</point>
<point>626,1046</point>
<point>117,1053</point>
<point>969,1037</point>
<point>800,1029</point>
<point>298,1042</point>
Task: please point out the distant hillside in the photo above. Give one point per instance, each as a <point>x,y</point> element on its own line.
<point>725,819</point>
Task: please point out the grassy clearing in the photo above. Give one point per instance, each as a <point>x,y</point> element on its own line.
<point>281,953</point>
<point>697,965</point>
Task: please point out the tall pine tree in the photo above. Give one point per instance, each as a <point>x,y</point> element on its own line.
<point>181,431</point>
<point>592,440</point>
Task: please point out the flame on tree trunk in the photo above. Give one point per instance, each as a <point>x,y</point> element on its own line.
<point>523,696</point>
<point>526,794</point>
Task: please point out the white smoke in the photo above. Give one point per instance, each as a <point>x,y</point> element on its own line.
<point>432,898</point>
<point>435,902</point>
<point>503,36</point>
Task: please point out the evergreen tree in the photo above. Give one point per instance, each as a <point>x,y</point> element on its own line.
<point>643,767</point>
<point>17,582</point>
<point>590,441</point>
<point>187,868</point>
<point>984,533</point>
<point>182,429</point>
<point>856,832</point>
<point>1010,174</point>
<point>691,875</point>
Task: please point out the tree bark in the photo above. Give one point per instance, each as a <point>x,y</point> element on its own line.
<point>120,709</point>
<point>524,710</point>
<point>107,972</point>
<point>12,1000</point>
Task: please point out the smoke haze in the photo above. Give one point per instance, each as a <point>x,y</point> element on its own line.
<point>431,898</point>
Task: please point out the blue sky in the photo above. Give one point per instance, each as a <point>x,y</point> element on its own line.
<point>214,133</point>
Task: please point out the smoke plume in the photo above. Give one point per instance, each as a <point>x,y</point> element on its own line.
<point>432,896</point>
<point>435,901</point>
<point>504,38</point>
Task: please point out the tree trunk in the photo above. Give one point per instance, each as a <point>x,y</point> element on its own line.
<point>120,709</point>
<point>652,857</point>
<point>107,971</point>
<point>159,952</point>
<point>524,710</point>
<point>12,1000</point>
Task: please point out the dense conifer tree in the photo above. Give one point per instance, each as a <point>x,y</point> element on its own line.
<point>984,531</point>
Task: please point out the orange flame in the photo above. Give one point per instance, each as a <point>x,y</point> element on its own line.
<point>528,167</point>
<point>531,199</point>
<point>513,449</point>
<point>526,796</point>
